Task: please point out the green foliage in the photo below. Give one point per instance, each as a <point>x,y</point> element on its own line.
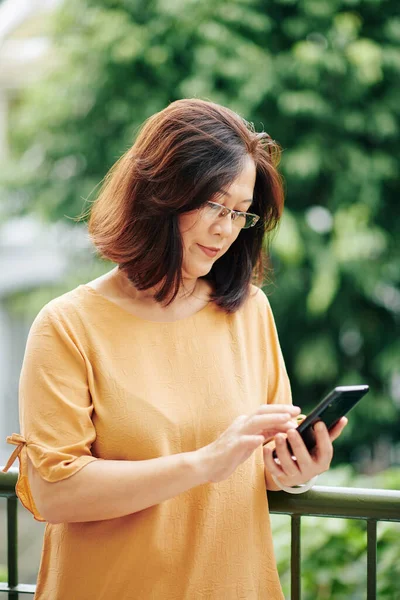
<point>334,551</point>
<point>321,76</point>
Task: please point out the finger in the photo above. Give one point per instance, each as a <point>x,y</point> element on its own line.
<point>268,424</point>
<point>278,408</point>
<point>252,440</point>
<point>323,452</point>
<point>300,450</point>
<point>287,464</point>
<point>241,419</point>
<point>270,463</point>
<point>335,432</point>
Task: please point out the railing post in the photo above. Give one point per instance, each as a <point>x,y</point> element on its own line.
<point>295,580</point>
<point>371,559</point>
<point>12,545</point>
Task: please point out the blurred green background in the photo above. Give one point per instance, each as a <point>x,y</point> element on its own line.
<point>322,77</point>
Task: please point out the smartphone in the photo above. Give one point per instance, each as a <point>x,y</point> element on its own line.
<point>334,406</point>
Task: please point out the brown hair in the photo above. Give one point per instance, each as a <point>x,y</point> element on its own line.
<point>183,156</point>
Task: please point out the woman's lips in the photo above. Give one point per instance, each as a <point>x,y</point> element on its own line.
<point>208,251</point>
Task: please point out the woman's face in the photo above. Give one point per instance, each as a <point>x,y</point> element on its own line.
<point>200,235</point>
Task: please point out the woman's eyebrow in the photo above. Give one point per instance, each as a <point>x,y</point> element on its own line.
<point>224,193</point>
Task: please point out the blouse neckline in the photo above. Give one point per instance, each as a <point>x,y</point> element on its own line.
<point>119,308</point>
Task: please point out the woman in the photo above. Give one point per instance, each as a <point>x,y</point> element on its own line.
<point>147,395</point>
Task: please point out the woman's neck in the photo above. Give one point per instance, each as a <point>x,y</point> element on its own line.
<point>190,289</point>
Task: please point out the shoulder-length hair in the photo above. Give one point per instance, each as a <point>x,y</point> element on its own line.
<point>182,157</point>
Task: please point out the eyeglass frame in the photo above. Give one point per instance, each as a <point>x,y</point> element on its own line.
<point>234,213</point>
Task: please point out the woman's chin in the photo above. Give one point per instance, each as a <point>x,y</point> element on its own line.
<point>196,271</point>
<point>195,274</point>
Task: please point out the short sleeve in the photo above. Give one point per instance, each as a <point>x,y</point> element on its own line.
<point>57,431</point>
<point>278,389</point>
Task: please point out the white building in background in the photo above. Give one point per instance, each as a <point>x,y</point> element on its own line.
<point>31,254</point>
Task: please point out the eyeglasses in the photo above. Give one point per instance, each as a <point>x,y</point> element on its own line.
<point>213,211</point>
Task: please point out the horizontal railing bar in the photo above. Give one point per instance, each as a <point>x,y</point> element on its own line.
<point>22,588</point>
<point>7,482</point>
<point>341,502</point>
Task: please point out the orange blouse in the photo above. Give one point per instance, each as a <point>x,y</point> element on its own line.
<point>99,383</point>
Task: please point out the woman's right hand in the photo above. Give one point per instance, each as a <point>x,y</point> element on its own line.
<point>237,443</point>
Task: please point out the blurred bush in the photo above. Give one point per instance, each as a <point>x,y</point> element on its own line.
<point>321,76</point>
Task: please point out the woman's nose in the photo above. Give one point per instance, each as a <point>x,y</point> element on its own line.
<point>223,225</point>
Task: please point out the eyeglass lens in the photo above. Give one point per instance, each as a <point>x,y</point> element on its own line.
<point>241,220</point>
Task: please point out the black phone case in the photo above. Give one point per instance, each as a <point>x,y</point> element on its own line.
<point>334,406</point>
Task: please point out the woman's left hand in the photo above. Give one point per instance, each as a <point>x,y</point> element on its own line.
<point>292,472</point>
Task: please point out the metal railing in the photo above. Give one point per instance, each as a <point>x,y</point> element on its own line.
<point>7,490</point>
<point>349,503</point>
